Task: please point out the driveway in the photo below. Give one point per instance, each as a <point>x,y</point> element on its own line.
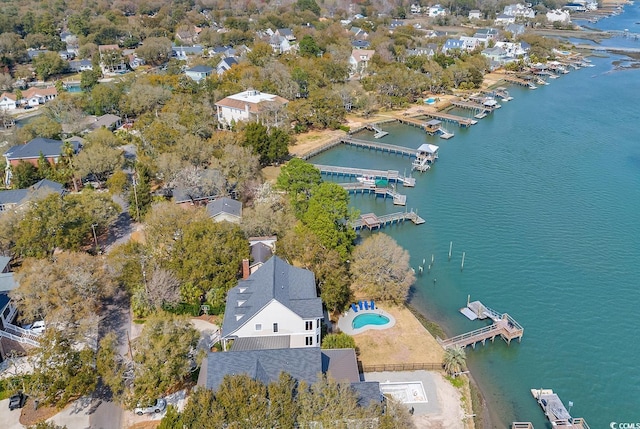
<point>9,419</point>
<point>76,415</point>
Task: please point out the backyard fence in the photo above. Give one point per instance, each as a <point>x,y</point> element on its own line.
<point>400,367</point>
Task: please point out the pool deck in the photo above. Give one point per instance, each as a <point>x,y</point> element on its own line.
<point>345,322</point>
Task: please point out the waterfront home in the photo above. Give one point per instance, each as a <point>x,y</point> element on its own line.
<point>519,10</point>
<point>199,73</point>
<point>503,19</point>
<point>359,60</point>
<point>395,23</point>
<point>515,29</point>
<point>78,66</point>
<point>470,43</point>
<point>250,105</point>
<point>16,199</point>
<point>436,10</point>
<point>37,96</point>
<point>31,151</point>
<point>111,59</point>
<point>225,209</point>
<point>275,307</point>
<point>486,34</point>
<point>475,14</point>
<point>452,44</point>
<point>558,15</point>
<point>7,101</point>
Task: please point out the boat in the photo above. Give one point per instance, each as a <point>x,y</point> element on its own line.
<point>367,180</point>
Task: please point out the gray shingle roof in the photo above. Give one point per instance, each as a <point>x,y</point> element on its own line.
<point>295,288</point>
<point>341,364</point>
<point>367,392</point>
<point>303,364</point>
<point>260,252</point>
<point>7,283</point>
<point>224,205</point>
<point>4,262</point>
<point>21,196</point>
<point>33,148</point>
<point>201,69</point>
<point>261,343</point>
<point>229,61</point>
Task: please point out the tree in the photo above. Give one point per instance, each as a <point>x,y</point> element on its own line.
<point>67,289</point>
<point>140,193</point>
<point>110,365</point>
<point>24,175</point>
<point>298,178</point>
<point>42,126</point>
<point>338,341</point>
<point>308,46</point>
<point>118,182</point>
<point>46,425</point>
<point>89,79</point>
<point>48,64</point>
<point>162,288</point>
<point>271,145</point>
<point>98,161</point>
<point>381,270</point>
<point>155,50</point>
<point>196,183</point>
<point>309,5</point>
<point>60,370</point>
<point>240,166</point>
<point>454,360</point>
<point>244,400</point>
<point>162,356</point>
<point>207,259</point>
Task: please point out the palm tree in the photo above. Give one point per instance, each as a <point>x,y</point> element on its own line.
<point>454,360</point>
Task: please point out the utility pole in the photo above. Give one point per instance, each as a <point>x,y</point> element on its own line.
<point>95,238</point>
<point>135,194</point>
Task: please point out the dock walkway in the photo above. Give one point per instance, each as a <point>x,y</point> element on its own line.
<point>371,221</point>
<point>518,81</point>
<point>503,326</point>
<point>379,191</point>
<point>384,147</point>
<point>390,175</point>
<point>554,410</point>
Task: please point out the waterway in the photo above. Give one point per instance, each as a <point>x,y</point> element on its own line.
<point>543,195</point>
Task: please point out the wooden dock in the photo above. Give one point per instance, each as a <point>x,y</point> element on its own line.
<point>555,412</point>
<point>371,221</point>
<point>427,127</point>
<point>518,81</point>
<point>378,191</point>
<point>390,175</point>
<point>383,147</point>
<point>460,120</point>
<point>503,326</point>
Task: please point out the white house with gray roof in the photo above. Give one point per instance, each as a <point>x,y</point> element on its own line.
<point>275,307</point>
<point>225,209</point>
<point>14,199</point>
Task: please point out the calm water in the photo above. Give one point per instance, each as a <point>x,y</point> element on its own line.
<point>544,198</point>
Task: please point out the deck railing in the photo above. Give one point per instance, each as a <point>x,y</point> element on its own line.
<point>401,367</point>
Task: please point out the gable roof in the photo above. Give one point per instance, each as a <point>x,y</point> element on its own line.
<point>106,48</point>
<point>20,196</point>
<point>229,61</point>
<point>293,287</point>
<point>303,364</point>
<point>33,148</point>
<point>4,262</point>
<point>362,54</point>
<point>260,253</point>
<point>8,95</point>
<point>341,364</point>
<point>251,99</point>
<point>39,92</point>
<point>7,283</point>
<point>200,69</point>
<point>224,205</point>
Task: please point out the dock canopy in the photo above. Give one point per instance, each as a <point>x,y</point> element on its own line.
<point>434,123</point>
<point>428,148</point>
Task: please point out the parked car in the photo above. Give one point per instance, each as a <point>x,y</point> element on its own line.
<point>158,407</point>
<point>17,400</point>
<point>36,327</point>
<point>27,107</point>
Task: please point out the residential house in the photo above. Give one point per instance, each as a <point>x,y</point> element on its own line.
<point>503,19</point>
<point>286,33</point>
<point>359,60</point>
<point>519,10</point>
<point>302,364</point>
<point>496,55</point>
<point>360,44</point>
<point>279,44</point>
<point>395,23</point>
<point>247,106</point>
<point>188,35</point>
<point>415,9</point>
<point>199,73</point>
<point>487,34</point>
<point>471,43</point>
<point>475,14</point>
<point>261,249</point>
<point>66,55</point>
<point>224,208</point>
<point>7,101</point>
<point>4,264</point>
<point>15,199</point>
<point>558,15</point>
<point>223,51</point>
<point>452,44</point>
<point>67,37</point>
<point>184,52</point>
<point>358,33</point>
<point>429,50</point>
<point>108,121</point>
<point>32,53</point>
<point>512,49</point>
<point>436,10</point>
<point>30,152</point>
<point>111,59</point>
<point>225,64</point>
<point>515,29</point>
<point>78,66</point>
<point>275,307</point>
<point>8,310</point>
<point>37,96</point>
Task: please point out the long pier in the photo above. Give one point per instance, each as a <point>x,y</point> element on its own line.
<point>371,221</point>
<point>555,412</point>
<point>383,147</point>
<point>460,120</point>
<point>391,175</point>
<point>398,199</point>
<point>503,326</point>
<point>518,81</point>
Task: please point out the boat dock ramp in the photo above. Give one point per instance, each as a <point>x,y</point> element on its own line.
<point>378,191</point>
<point>554,410</point>
<point>503,326</point>
<point>379,133</point>
<point>371,221</point>
<point>431,127</point>
<point>390,175</point>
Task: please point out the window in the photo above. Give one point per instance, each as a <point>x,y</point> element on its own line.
<point>308,325</point>
<point>258,326</point>
<point>317,323</point>
<point>318,339</point>
<point>308,341</point>
<point>275,327</point>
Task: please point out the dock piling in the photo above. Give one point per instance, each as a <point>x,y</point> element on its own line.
<point>450,248</point>
<point>462,264</point>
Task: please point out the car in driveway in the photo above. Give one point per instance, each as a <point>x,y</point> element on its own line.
<point>158,407</point>
<point>17,400</point>
<point>36,327</point>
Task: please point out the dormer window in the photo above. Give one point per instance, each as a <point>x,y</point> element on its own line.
<point>239,316</point>
<point>242,289</point>
<point>241,302</point>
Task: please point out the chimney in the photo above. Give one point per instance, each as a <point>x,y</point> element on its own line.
<point>245,269</point>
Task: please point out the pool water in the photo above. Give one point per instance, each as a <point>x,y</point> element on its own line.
<point>430,100</point>
<point>363,320</point>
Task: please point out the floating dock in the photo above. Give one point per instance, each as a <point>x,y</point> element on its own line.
<point>379,191</point>
<point>518,81</point>
<point>554,410</point>
<point>445,117</point>
<point>431,127</point>
<point>390,175</point>
<point>503,326</point>
<point>371,221</point>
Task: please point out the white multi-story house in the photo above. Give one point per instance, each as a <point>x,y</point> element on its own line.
<point>504,19</point>
<point>519,10</point>
<point>247,106</point>
<point>7,101</point>
<point>475,14</point>
<point>359,60</point>
<point>558,15</point>
<point>437,10</point>
<point>416,9</point>
<point>276,307</point>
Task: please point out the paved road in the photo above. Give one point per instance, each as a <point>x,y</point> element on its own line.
<point>9,419</point>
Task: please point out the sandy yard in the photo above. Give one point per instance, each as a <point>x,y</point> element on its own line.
<point>406,342</point>
<point>452,408</point>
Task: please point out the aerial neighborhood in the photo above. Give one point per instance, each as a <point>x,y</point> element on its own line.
<point>164,237</point>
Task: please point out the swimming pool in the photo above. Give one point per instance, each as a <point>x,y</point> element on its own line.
<point>430,100</point>
<point>362,320</point>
